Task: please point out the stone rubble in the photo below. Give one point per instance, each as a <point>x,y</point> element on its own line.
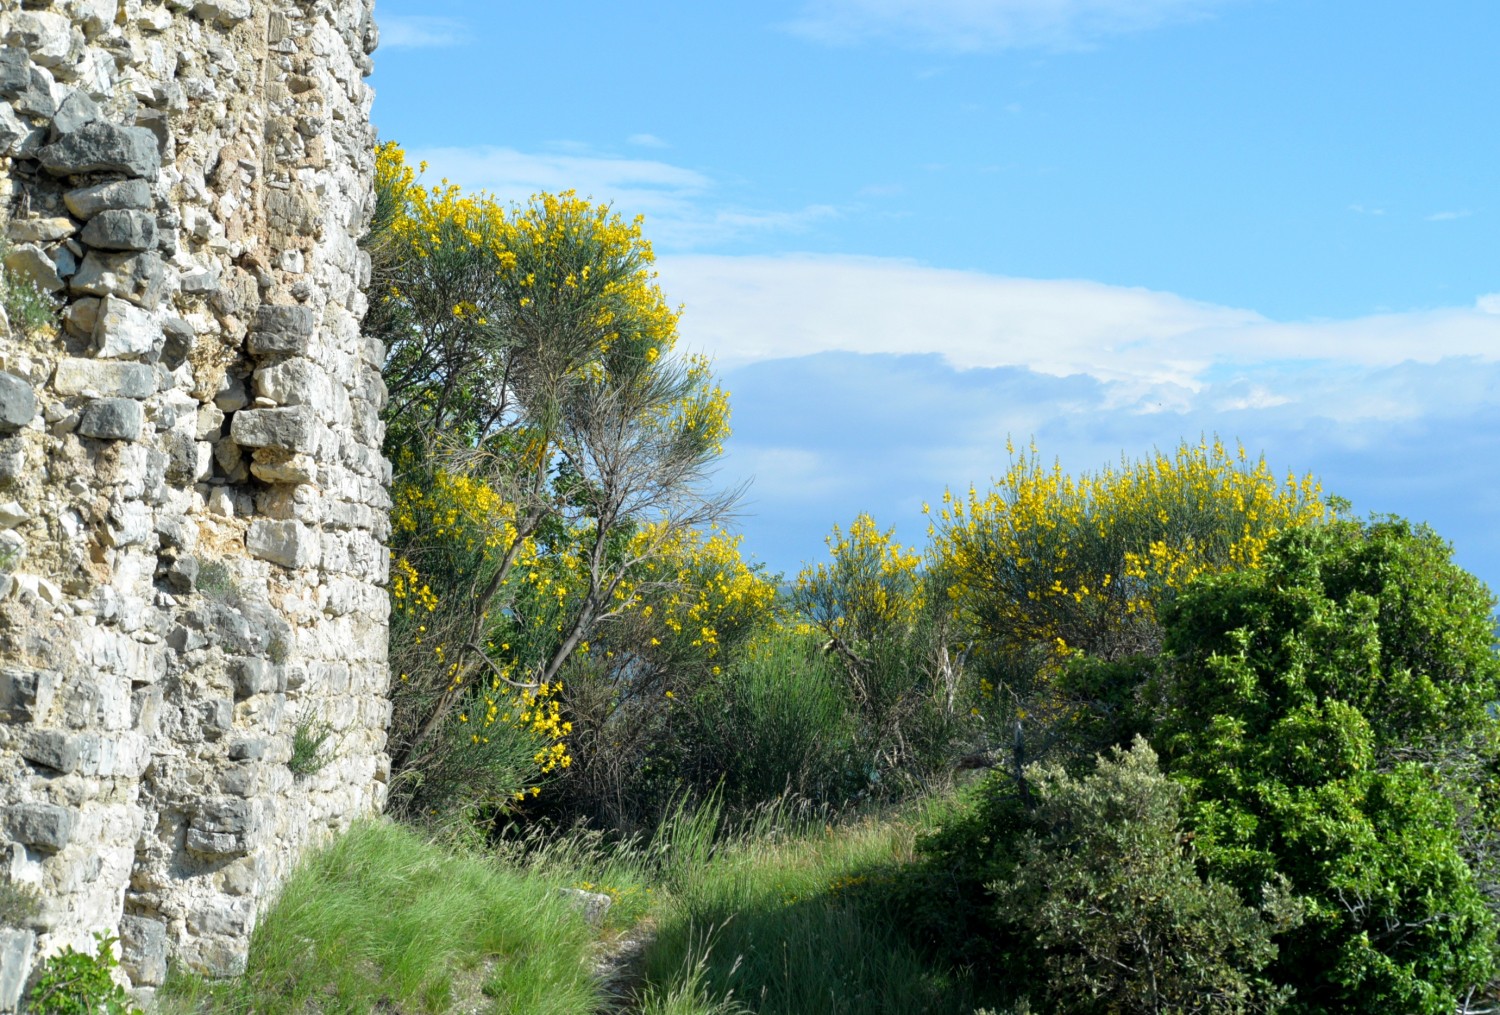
<point>193,504</point>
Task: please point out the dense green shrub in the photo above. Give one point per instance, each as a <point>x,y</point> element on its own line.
<point>1114,899</point>
<point>1331,715</point>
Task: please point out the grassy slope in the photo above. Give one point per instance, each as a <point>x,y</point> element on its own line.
<point>784,916</point>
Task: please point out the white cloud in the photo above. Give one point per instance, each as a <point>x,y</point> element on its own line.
<point>1449,216</point>
<point>1154,346</point>
<point>683,206</point>
<point>979,25</point>
<point>413,31</point>
<point>646,141</point>
<point>1489,303</point>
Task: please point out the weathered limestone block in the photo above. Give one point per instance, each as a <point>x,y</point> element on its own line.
<point>289,429</point>
<point>119,419</point>
<point>100,147</point>
<point>121,329</point>
<point>41,826</point>
<point>143,950</point>
<point>288,543</point>
<point>138,277</point>
<point>118,195</point>
<point>109,378</point>
<point>31,263</point>
<point>16,950</point>
<point>17,402</point>
<point>286,330</point>
<point>120,229</point>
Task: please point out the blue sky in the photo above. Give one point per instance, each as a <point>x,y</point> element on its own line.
<point>907,229</point>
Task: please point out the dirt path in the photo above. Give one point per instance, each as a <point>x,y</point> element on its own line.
<point>617,966</point>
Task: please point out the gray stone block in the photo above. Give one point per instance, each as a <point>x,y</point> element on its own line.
<point>216,843</point>
<point>58,750</point>
<point>282,330</point>
<point>224,13</point>
<point>48,229</point>
<point>138,277</point>
<point>124,330</point>
<point>120,419</point>
<point>109,378</point>
<point>288,543</point>
<point>16,950</point>
<point>36,98</point>
<point>31,263</point>
<point>178,342</point>
<point>101,147</point>
<point>121,229</point>
<point>13,129</point>
<point>257,676</point>
<point>15,71</point>
<point>42,826</point>
<point>120,195</point>
<point>17,402</point>
<point>143,950</point>
<point>45,35</point>
<point>73,112</point>
<point>27,695</point>
<point>290,429</point>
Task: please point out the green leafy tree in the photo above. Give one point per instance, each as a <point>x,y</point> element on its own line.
<point>1331,714</point>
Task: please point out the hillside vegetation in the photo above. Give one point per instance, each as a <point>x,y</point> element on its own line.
<point>1178,735</point>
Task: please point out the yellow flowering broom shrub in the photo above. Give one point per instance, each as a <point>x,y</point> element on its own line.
<point>1058,578</point>
<point>548,444</point>
<point>1081,564</point>
<point>891,639</point>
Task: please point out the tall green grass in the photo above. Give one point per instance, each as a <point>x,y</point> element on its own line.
<point>385,920</point>
<point>789,917</point>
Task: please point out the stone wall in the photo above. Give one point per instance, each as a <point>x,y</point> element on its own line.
<point>193,503</point>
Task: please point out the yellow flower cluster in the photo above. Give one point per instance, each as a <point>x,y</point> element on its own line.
<point>1045,556</point>
<point>409,594</point>
<point>709,587</point>
<point>455,510</point>
<point>871,585</point>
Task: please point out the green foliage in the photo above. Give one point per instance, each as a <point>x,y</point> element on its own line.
<point>888,629</point>
<point>1106,888</point>
<point>384,920</point>
<point>309,738</point>
<point>1331,716</point>
<point>77,983</point>
<point>779,722</point>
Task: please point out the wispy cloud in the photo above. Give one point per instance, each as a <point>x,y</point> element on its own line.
<point>646,141</point>
<point>685,207</point>
<point>980,25</point>
<point>1360,209</point>
<point>414,31</point>
<point>744,309</point>
<point>1449,216</point>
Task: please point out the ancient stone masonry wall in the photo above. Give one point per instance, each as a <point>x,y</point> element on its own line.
<point>193,503</point>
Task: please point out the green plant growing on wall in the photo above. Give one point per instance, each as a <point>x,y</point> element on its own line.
<point>25,307</point>
<point>77,983</point>
<point>310,738</point>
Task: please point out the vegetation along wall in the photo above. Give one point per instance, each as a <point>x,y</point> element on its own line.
<point>193,503</point>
